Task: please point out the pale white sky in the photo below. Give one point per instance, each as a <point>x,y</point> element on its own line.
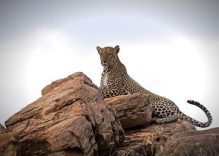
<point>169,47</point>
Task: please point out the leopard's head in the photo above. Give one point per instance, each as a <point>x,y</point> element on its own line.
<point>108,56</point>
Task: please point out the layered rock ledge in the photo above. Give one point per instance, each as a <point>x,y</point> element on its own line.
<point>70,118</point>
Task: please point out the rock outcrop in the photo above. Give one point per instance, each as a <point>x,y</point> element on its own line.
<point>72,119</point>
<point>195,143</point>
<point>148,140</point>
<point>132,110</point>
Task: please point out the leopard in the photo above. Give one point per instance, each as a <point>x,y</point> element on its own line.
<point>115,81</point>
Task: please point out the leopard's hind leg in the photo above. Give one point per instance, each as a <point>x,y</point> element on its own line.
<point>165,111</point>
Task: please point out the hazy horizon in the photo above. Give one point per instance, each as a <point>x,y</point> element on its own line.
<point>170,47</point>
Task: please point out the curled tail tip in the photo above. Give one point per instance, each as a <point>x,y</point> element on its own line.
<point>197,123</point>
<point>190,101</point>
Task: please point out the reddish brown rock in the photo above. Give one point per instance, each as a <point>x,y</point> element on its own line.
<point>171,139</point>
<point>7,144</point>
<point>145,141</point>
<point>132,110</point>
<point>70,118</point>
<point>195,143</point>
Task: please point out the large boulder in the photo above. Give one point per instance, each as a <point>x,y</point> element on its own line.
<point>132,110</point>
<point>147,140</point>
<point>195,143</point>
<point>70,118</point>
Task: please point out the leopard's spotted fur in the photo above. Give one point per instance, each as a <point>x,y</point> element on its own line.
<point>116,81</point>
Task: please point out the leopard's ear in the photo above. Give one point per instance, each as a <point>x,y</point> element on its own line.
<point>98,48</point>
<point>117,49</point>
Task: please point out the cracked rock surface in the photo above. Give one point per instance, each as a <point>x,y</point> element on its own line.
<point>70,118</point>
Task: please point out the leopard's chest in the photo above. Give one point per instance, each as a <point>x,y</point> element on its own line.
<point>108,79</point>
<point>105,79</point>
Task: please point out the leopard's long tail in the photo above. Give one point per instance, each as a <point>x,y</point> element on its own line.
<point>195,122</point>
